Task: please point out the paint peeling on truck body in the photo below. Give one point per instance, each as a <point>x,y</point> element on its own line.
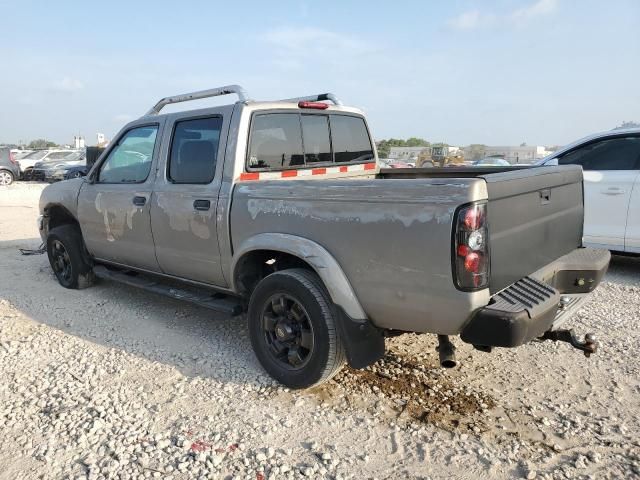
<point>386,235</point>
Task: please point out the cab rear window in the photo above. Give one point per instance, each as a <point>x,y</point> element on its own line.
<point>294,140</point>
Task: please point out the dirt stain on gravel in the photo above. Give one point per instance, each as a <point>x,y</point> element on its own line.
<point>416,391</point>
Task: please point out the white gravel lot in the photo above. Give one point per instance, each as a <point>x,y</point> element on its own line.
<point>111,382</point>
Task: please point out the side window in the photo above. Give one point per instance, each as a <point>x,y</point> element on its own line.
<point>276,141</point>
<point>350,139</point>
<point>130,160</point>
<point>611,154</point>
<point>315,133</point>
<point>194,150</point>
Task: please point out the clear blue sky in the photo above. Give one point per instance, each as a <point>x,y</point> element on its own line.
<point>464,71</point>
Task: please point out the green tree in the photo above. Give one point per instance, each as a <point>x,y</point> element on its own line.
<point>476,151</point>
<point>41,143</point>
<point>384,146</point>
<point>416,142</point>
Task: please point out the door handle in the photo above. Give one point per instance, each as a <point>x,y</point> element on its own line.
<point>139,201</point>
<point>613,191</point>
<point>202,204</point>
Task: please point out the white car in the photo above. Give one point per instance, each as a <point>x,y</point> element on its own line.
<point>28,161</point>
<point>611,164</point>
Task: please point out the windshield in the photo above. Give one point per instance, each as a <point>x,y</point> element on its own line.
<point>60,155</point>
<point>37,155</point>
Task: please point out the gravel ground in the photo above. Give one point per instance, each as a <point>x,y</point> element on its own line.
<point>111,382</point>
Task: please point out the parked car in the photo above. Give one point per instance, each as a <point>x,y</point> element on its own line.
<point>491,162</point>
<point>9,170</point>
<point>18,154</point>
<point>279,209</point>
<point>55,169</point>
<point>68,172</point>
<point>28,162</point>
<point>611,164</point>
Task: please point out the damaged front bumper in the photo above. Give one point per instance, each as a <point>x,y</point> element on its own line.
<point>539,303</point>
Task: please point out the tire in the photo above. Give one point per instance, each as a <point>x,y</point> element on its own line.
<point>298,345</point>
<point>68,257</point>
<point>27,175</point>
<point>6,177</point>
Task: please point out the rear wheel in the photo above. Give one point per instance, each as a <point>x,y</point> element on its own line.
<point>67,257</point>
<point>293,330</point>
<point>6,177</point>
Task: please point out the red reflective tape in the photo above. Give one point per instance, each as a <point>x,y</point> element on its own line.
<point>344,169</point>
<point>369,166</point>
<point>318,171</point>
<point>250,176</point>
<point>289,173</point>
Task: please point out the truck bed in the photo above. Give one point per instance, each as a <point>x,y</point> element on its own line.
<point>446,172</point>
<point>535,215</point>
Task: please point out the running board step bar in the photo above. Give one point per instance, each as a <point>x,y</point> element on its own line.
<point>213,301</point>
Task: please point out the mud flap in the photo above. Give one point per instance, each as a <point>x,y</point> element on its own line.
<point>364,342</point>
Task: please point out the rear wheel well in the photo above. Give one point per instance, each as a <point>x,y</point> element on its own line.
<point>257,264</point>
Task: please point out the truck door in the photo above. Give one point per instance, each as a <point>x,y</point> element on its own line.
<point>184,202</point>
<point>610,169</point>
<point>113,205</point>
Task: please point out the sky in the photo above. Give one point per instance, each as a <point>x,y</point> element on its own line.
<point>498,72</point>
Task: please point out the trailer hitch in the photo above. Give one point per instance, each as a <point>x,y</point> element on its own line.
<point>588,345</point>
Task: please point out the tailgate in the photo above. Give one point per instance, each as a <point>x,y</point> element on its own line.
<point>535,216</point>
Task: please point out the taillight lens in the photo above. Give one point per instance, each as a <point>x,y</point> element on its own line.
<point>471,249</point>
<point>12,159</point>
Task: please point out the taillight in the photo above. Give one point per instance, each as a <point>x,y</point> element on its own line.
<point>315,105</point>
<point>471,249</point>
<point>12,159</point>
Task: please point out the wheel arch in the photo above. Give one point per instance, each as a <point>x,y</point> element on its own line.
<point>250,260</point>
<point>57,214</point>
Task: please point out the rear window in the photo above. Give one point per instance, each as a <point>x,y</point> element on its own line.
<point>317,144</point>
<point>290,140</point>
<point>350,139</point>
<point>276,141</point>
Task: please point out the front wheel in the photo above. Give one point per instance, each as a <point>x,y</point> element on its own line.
<point>67,257</point>
<point>293,330</point>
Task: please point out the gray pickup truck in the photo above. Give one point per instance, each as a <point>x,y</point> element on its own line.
<point>279,209</point>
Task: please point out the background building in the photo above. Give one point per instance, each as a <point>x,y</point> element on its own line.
<point>520,154</point>
<point>408,154</point>
<point>78,142</point>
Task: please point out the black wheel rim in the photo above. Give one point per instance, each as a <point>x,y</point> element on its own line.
<point>60,261</point>
<point>288,332</point>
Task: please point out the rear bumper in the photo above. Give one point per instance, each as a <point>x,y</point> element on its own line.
<point>540,302</point>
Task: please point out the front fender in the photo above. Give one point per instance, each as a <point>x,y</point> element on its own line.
<point>315,255</point>
<point>64,194</point>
